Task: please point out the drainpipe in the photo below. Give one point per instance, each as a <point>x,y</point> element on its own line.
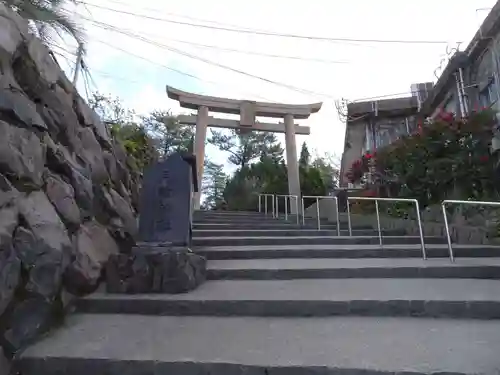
<point>463,95</point>
<point>460,92</point>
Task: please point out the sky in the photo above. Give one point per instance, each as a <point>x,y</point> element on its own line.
<point>137,48</point>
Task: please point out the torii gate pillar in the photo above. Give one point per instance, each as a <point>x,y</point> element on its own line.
<point>199,149</point>
<point>292,162</point>
<point>248,110</point>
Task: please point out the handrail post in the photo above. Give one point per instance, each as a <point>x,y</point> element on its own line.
<point>318,220</point>
<point>303,212</point>
<point>417,207</point>
<point>419,220</point>
<point>277,215</point>
<point>317,213</point>
<point>297,208</point>
<point>265,204</point>
<point>378,224</point>
<point>286,208</point>
<point>447,228</point>
<point>349,217</point>
<point>338,215</point>
<point>272,203</point>
<point>445,217</point>
<point>260,203</point>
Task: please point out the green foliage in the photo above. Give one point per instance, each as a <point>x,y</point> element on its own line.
<point>269,175</point>
<point>120,121</point>
<point>447,157</point>
<point>110,110</point>
<point>328,169</point>
<point>137,143</point>
<point>246,146</point>
<point>305,156</point>
<point>48,18</point>
<point>214,183</point>
<point>170,135</point>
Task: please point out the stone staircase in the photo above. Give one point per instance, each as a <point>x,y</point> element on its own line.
<point>283,299</point>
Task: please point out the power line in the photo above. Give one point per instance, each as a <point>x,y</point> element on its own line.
<point>168,67</point>
<point>52,45</point>
<point>383,96</point>
<point>156,10</point>
<point>107,75</point>
<point>325,61</point>
<point>210,46</point>
<point>268,33</point>
<point>225,24</point>
<point>256,53</point>
<point>209,62</point>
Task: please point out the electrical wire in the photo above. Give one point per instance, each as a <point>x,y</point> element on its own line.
<point>66,58</point>
<point>267,33</point>
<point>86,83</point>
<point>112,76</point>
<point>246,52</point>
<point>52,45</point>
<point>407,93</point>
<point>209,62</point>
<point>172,69</point>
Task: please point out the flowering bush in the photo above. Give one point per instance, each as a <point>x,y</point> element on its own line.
<point>359,168</point>
<point>445,155</point>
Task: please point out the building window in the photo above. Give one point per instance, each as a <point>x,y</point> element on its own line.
<point>487,95</point>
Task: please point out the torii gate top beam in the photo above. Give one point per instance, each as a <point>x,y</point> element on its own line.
<point>223,105</point>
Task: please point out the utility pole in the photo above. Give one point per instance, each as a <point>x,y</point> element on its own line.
<point>79,57</point>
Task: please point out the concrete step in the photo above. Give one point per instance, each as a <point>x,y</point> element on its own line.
<point>290,232</point>
<point>309,240</point>
<point>135,344</point>
<point>437,298</point>
<point>220,212</point>
<point>271,225</point>
<point>269,219</point>
<point>252,221</point>
<point>344,251</point>
<point>285,269</point>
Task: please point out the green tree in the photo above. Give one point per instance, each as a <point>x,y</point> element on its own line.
<point>305,156</point>
<point>48,18</point>
<point>328,168</point>
<point>120,121</point>
<point>170,135</point>
<point>110,109</point>
<point>137,143</point>
<point>214,183</point>
<point>244,146</point>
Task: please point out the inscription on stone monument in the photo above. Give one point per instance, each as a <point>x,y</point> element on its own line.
<point>165,206</point>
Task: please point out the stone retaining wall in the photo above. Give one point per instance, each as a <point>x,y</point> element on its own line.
<point>68,191</point>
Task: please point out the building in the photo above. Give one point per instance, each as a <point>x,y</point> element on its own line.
<point>375,124</point>
<point>469,81</point>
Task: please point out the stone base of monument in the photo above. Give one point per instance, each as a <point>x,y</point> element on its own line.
<point>155,269</point>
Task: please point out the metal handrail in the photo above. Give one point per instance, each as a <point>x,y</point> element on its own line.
<point>265,202</point>
<point>287,199</point>
<point>417,207</point>
<point>318,197</point>
<point>443,207</point>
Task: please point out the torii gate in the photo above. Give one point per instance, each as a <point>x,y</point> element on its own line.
<point>248,110</point>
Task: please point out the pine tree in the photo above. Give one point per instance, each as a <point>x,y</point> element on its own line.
<point>305,156</point>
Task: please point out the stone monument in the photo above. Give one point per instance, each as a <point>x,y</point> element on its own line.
<point>165,206</point>
<point>162,261</point>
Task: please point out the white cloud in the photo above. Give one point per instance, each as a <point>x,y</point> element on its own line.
<point>375,69</point>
